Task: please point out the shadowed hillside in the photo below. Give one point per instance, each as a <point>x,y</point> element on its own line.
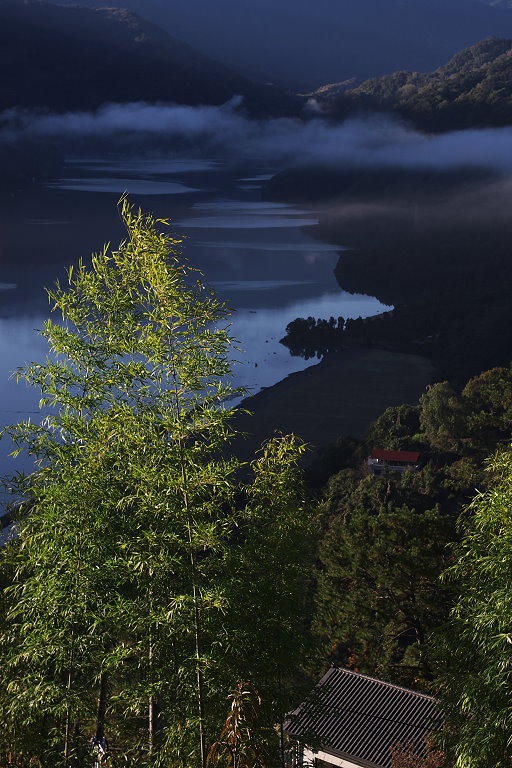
<point>302,45</point>
<point>71,58</point>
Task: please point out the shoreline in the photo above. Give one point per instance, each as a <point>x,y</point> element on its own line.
<point>339,396</point>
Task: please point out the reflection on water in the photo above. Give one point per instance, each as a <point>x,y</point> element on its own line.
<point>257,254</point>
<point>309,247</point>
<point>120,185</point>
<point>241,221</point>
<point>261,177</point>
<point>152,166</point>
<point>243,206</point>
<point>265,360</point>
<point>246,214</point>
<point>20,344</point>
<point>254,285</point>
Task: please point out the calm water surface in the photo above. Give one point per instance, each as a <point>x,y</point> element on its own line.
<point>257,255</point>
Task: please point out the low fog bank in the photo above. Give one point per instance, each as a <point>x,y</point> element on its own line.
<point>482,205</point>
<point>425,219</point>
<point>226,132</point>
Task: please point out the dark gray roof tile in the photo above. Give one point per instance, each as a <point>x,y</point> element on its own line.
<point>362,718</point>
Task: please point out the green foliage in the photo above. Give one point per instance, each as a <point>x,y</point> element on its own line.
<point>474,422</point>
<point>378,592</point>
<point>488,401</point>
<point>442,418</point>
<point>475,649</point>
<point>386,539</point>
<point>147,577</point>
<point>396,429</point>
<point>345,452</point>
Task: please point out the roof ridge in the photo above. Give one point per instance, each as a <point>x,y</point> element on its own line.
<point>396,450</point>
<point>380,682</point>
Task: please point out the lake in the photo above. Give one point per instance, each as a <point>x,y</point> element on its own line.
<point>257,255</point>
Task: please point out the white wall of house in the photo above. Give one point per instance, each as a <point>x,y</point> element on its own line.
<point>309,756</point>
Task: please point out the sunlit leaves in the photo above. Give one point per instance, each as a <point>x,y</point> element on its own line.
<point>475,648</point>
<point>143,559</point>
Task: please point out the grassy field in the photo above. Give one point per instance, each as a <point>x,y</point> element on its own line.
<point>341,395</point>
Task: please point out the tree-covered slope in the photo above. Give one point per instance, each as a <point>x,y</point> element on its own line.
<point>301,44</point>
<point>69,58</point>
<point>473,89</point>
<point>385,539</point>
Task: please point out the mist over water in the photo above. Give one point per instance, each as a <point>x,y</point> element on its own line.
<point>257,255</point>
<point>204,168</point>
<point>226,132</point>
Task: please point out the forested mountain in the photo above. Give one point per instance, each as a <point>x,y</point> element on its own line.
<point>472,89</point>
<point>301,45</point>
<point>70,58</point>
<point>78,57</point>
<point>385,539</point>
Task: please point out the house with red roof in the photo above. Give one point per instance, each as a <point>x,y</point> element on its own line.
<point>395,461</point>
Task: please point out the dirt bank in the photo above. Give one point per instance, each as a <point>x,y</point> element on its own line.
<point>341,395</point>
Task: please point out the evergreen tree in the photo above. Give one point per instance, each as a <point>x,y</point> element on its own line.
<point>378,594</point>
<point>396,429</point>
<point>488,399</point>
<point>442,418</point>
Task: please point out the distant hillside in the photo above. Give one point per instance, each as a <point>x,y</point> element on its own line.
<point>72,58</point>
<point>302,44</point>
<point>473,89</point>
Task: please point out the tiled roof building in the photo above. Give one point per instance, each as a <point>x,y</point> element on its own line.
<point>396,461</point>
<point>351,720</point>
